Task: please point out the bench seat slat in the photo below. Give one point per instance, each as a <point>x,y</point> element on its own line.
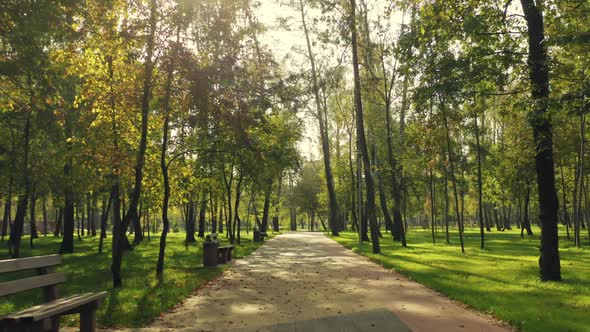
<point>53,308</point>
<point>16,286</point>
<point>29,263</point>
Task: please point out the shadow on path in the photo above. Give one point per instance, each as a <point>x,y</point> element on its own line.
<point>308,282</point>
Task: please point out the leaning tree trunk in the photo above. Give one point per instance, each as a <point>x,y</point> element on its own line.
<point>132,213</point>
<point>163,163</point>
<point>538,62</point>
<point>228,189</point>
<point>237,220</point>
<point>166,197</point>
<point>361,139</point>
<point>334,220</point>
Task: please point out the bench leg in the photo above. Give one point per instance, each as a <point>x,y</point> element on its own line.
<point>88,320</point>
<point>55,324</point>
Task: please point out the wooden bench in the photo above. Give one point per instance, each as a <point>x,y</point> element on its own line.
<point>224,254</point>
<point>45,317</point>
<point>259,236</point>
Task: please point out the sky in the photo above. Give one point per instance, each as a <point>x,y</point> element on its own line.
<point>286,45</point>
<point>289,48</point>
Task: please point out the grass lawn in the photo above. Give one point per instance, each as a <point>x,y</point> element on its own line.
<point>142,297</point>
<point>501,280</point>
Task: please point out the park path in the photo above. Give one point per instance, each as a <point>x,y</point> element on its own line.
<point>308,282</point>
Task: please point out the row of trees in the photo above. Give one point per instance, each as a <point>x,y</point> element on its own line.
<point>453,113</point>
<point>120,109</point>
<point>450,108</point>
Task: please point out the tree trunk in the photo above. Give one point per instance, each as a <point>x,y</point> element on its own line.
<point>8,203</point>
<point>67,244</point>
<point>21,206</point>
<point>94,210</point>
<point>566,216</point>
<point>214,209</point>
<point>446,184</point>
<point>132,213</point>
<point>497,220</point>
<point>221,216</point>
<point>479,183</point>
<point>266,209</point>
<point>361,139</point>
<point>164,168</point>
<point>163,162</point>
<point>58,221</point>
<point>44,207</point>
<point>397,230</point>
<point>580,185</point>
<point>89,212</point>
<point>549,262</point>
<point>383,201</point>
<point>237,206</point>
<point>103,221</point>
<point>432,204</point>
<point>453,180</point>
<point>83,219</point>
<point>526,223</point>
<point>191,221</point>
<point>276,207</point>
<point>354,188</point>
<point>202,216</point>
<point>334,220</point>
<point>33,221</point>
<point>7,214</point>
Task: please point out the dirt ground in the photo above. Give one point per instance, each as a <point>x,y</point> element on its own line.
<point>307,277</point>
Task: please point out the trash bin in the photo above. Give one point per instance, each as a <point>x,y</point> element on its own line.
<point>210,252</point>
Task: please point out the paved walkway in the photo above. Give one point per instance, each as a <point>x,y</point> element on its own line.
<point>308,282</point>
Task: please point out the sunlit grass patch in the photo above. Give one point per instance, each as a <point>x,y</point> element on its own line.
<point>143,297</point>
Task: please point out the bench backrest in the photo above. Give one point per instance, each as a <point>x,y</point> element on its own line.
<point>47,278</point>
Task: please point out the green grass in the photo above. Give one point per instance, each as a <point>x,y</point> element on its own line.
<point>501,280</point>
<point>142,297</point>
